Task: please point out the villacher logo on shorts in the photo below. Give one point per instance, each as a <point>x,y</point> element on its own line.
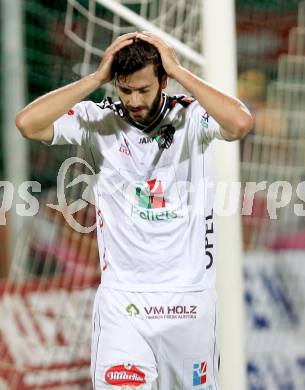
<point>125,375</point>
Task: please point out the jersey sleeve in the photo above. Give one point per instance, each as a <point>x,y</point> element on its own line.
<point>72,128</point>
<point>203,124</point>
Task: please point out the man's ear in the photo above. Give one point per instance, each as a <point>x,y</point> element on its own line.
<point>164,81</point>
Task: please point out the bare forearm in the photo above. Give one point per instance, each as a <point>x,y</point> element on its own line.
<point>38,117</point>
<point>232,115</point>
<point>43,111</point>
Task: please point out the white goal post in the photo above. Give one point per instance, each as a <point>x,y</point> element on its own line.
<point>219,47</point>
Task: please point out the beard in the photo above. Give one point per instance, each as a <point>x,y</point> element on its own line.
<point>152,110</point>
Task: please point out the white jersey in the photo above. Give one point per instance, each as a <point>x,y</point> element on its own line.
<point>155,225</point>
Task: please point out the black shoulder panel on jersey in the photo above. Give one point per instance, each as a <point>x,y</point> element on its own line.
<point>117,107</point>
<point>168,103</point>
<point>184,100</point>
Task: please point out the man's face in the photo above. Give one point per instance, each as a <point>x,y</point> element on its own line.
<point>141,94</point>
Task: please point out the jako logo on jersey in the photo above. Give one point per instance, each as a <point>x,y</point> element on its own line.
<point>164,138</point>
<point>125,375</point>
<point>146,140</point>
<point>199,373</point>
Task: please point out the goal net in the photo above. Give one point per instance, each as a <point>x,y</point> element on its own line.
<point>47,295</point>
<point>272,80</point>
<point>93,27</point>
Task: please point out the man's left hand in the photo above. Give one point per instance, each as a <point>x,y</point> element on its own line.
<point>169,60</point>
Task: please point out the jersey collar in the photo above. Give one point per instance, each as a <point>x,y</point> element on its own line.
<point>162,113</point>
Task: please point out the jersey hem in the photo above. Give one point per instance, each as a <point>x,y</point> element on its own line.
<point>152,288</point>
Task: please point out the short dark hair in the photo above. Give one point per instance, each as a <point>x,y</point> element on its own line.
<point>135,57</point>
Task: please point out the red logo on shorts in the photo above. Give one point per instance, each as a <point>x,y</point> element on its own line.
<point>125,376</point>
<point>71,112</point>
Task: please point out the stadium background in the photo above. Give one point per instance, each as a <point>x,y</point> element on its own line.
<point>271,70</point>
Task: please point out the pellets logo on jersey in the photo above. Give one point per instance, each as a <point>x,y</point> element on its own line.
<point>150,194</point>
<point>158,197</point>
<point>125,375</point>
<point>199,373</point>
<point>150,199</point>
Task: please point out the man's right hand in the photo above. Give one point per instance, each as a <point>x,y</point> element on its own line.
<point>36,120</point>
<point>103,73</point>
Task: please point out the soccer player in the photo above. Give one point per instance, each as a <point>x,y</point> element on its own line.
<point>154,320</point>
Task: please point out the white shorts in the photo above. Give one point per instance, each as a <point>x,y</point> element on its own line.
<point>154,341</point>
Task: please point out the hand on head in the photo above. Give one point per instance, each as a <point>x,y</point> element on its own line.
<point>103,73</point>
<point>168,56</point>
<point>169,59</point>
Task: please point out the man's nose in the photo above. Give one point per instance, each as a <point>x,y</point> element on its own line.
<point>135,99</point>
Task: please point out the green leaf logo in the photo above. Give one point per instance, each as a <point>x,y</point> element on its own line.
<point>132,310</point>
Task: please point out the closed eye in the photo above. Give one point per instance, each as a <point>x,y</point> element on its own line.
<point>125,90</point>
